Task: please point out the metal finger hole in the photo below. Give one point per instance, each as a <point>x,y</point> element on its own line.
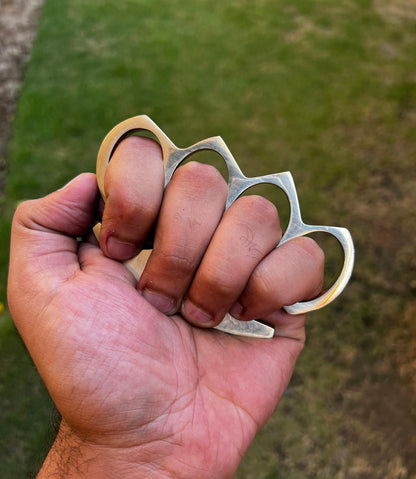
<point>208,157</point>
<point>334,256</point>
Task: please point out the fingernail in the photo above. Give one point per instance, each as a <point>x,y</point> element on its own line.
<point>195,314</point>
<point>120,250</point>
<point>236,310</point>
<point>161,302</point>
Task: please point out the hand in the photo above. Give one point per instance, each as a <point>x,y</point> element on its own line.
<point>143,390</point>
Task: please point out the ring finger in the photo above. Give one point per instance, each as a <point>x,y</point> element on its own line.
<point>249,230</point>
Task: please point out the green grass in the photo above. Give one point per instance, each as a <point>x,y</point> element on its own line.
<point>26,411</point>
<point>324,89</point>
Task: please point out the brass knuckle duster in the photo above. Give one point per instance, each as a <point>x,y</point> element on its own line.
<point>237,184</point>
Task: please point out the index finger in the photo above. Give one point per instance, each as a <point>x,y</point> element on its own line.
<point>134,189</point>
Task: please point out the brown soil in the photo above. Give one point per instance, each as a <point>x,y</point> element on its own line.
<point>18,22</point>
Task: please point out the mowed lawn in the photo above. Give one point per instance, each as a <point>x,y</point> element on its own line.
<point>325,89</point>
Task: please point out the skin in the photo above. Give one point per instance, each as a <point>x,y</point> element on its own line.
<point>145,387</point>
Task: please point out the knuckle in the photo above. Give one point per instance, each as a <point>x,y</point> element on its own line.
<point>262,286</point>
<point>312,251</point>
<point>281,283</point>
<point>21,210</point>
<point>134,143</point>
<point>120,210</point>
<point>317,258</point>
<point>200,175</point>
<point>177,261</point>
<point>259,209</point>
<point>24,212</point>
<point>126,208</point>
<point>216,281</point>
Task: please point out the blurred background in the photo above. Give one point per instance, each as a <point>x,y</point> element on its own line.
<point>325,89</point>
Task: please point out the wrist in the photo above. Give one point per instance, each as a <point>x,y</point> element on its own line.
<point>71,457</point>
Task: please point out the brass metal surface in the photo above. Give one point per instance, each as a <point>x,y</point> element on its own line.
<point>237,184</point>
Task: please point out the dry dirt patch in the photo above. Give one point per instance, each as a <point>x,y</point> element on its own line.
<point>396,11</point>
<point>18,22</point>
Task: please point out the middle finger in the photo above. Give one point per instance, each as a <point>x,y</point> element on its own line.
<point>192,207</point>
